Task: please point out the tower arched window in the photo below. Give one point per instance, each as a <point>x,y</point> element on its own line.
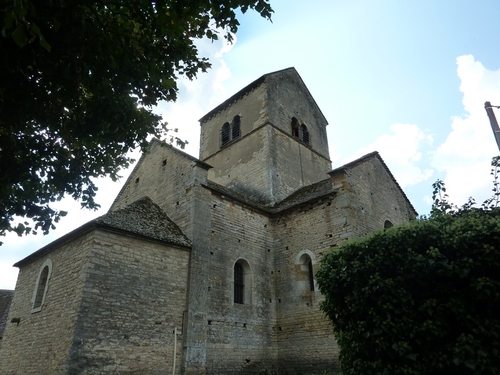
<point>230,132</point>
<point>242,285</point>
<point>225,134</point>
<point>388,224</point>
<point>42,285</point>
<point>300,131</point>
<point>235,127</point>
<point>305,133</point>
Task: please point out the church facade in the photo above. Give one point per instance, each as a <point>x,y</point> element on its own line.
<point>206,266</point>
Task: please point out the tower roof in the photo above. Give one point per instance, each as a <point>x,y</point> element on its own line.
<point>288,72</point>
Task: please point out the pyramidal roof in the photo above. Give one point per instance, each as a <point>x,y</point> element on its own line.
<point>146,218</point>
<point>142,217</point>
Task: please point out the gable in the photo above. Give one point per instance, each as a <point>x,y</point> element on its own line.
<point>273,99</point>
<point>280,75</point>
<point>370,158</point>
<point>161,169</point>
<point>375,198</point>
<point>288,99</point>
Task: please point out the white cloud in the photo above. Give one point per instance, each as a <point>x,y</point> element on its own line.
<point>465,156</point>
<point>401,151</point>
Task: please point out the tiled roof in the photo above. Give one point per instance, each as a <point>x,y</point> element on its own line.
<point>146,218</point>
<point>307,194</point>
<point>304,195</point>
<point>142,217</point>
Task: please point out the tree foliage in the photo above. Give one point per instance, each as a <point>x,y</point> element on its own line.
<point>78,81</point>
<point>422,298</point>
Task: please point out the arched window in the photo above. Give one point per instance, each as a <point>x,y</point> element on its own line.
<point>239,283</point>
<point>225,134</point>
<point>41,287</point>
<point>242,282</point>
<point>230,132</point>
<point>388,224</point>
<point>300,131</point>
<point>305,133</point>
<point>305,271</point>
<point>235,125</point>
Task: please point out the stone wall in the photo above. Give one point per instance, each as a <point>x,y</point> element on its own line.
<point>374,198</point>
<point>244,166</point>
<point>41,342</point>
<point>112,305</point>
<point>173,180</point>
<point>267,163</point>
<point>241,337</point>
<point>294,165</point>
<point>368,196</point>
<point>6,296</point>
<point>251,109</point>
<point>289,97</point>
<point>305,336</point>
<point>134,298</point>
<point>166,175</point>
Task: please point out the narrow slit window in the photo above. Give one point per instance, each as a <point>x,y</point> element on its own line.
<point>239,284</point>
<point>41,287</point>
<point>225,134</point>
<point>235,127</point>
<point>311,275</point>
<point>230,132</point>
<point>300,131</point>
<point>305,134</point>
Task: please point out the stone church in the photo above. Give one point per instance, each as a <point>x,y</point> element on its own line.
<point>206,266</point>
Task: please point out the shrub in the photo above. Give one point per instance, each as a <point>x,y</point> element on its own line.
<point>422,298</point>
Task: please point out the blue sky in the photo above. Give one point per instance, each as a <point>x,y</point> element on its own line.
<point>406,78</point>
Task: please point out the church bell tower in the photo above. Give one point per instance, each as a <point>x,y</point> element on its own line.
<point>268,140</point>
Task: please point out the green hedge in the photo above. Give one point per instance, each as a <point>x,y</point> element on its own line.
<point>422,298</point>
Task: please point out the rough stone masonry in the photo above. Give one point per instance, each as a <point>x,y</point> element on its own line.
<point>206,266</point>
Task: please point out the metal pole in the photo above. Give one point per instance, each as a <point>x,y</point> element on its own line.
<point>493,122</point>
